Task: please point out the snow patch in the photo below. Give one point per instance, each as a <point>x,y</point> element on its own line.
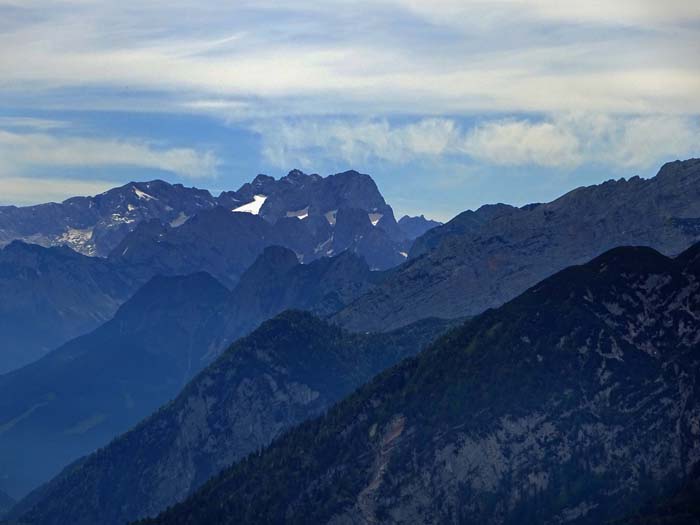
<point>116,218</point>
<point>326,247</point>
<point>79,240</point>
<point>299,214</point>
<point>330,217</point>
<point>375,218</point>
<point>253,206</point>
<point>143,196</point>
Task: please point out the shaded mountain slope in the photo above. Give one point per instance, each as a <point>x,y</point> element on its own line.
<point>276,281</point>
<point>574,403</point>
<point>482,259</point>
<point>79,396</point>
<point>106,381</point>
<point>6,503</point>
<point>51,295</point>
<point>681,508</point>
<point>216,241</point>
<point>225,243</point>
<point>290,369</point>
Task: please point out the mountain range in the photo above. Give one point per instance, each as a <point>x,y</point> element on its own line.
<point>478,260</point>
<point>95,225</point>
<point>97,386</point>
<point>279,210</point>
<point>290,369</point>
<point>140,230</point>
<point>481,259</point>
<point>183,381</point>
<point>575,402</point>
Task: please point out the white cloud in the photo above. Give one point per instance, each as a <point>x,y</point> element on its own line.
<point>642,141</point>
<point>512,55</point>
<point>558,142</point>
<point>618,82</point>
<point>26,191</point>
<point>296,143</point>
<point>21,150</point>
<point>520,142</point>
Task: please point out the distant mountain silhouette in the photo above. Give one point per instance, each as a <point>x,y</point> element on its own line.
<point>81,395</point>
<point>51,295</point>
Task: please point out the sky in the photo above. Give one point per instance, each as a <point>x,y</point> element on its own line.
<point>448,104</point>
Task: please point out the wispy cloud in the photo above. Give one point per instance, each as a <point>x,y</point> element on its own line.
<point>21,150</point>
<point>301,142</point>
<point>32,123</point>
<point>558,142</point>
<point>366,57</point>
<point>521,142</point>
<point>474,83</point>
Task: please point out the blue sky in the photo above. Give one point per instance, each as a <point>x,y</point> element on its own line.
<point>448,104</point>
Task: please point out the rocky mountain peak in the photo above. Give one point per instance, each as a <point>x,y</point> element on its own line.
<point>96,226</point>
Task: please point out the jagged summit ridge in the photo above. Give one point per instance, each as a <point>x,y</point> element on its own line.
<point>96,225</point>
